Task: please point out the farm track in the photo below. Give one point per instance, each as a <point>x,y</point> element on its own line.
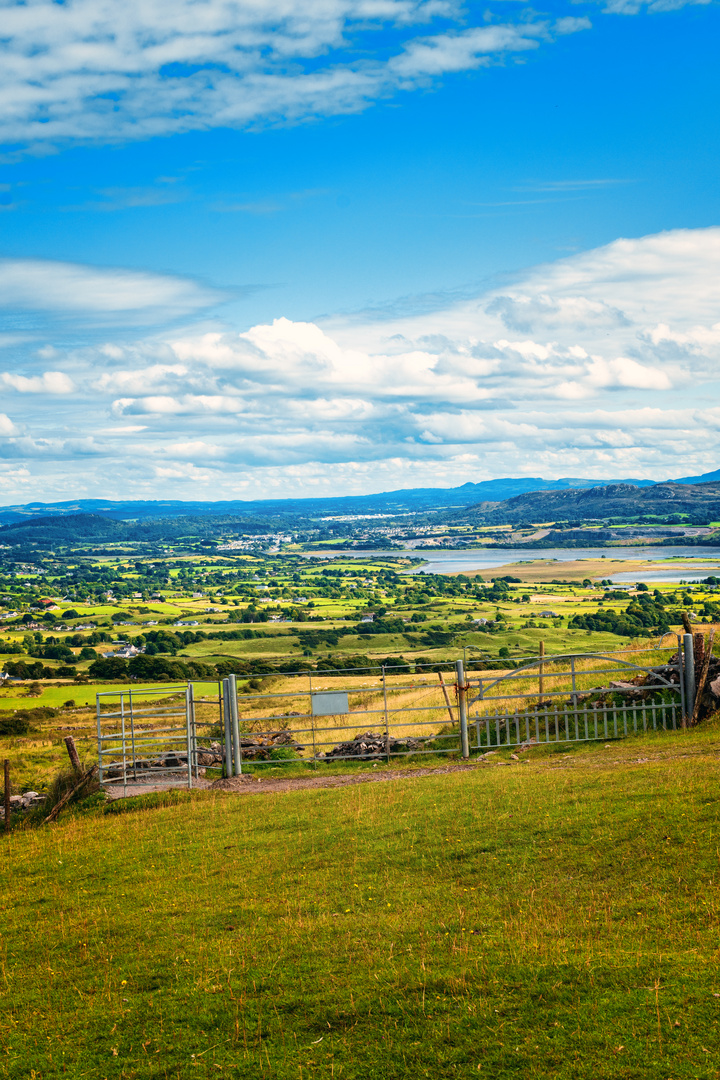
<point>600,759</point>
<point>254,785</point>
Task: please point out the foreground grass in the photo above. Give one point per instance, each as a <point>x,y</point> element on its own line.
<point>554,919</point>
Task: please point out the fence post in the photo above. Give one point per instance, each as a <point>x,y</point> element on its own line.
<point>387,726</point>
<point>124,741</point>
<point>193,731</point>
<point>462,708</point>
<point>132,734</point>
<point>188,735</point>
<point>6,777</point>
<point>312,720</point>
<point>541,669</point>
<point>228,731</point>
<point>99,740</point>
<point>235,721</point>
<point>689,658</point>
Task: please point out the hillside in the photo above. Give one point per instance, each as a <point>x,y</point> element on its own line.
<point>47,532</point>
<point>699,502</point>
<point>518,917</point>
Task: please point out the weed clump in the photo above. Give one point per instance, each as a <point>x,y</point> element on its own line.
<point>64,782</point>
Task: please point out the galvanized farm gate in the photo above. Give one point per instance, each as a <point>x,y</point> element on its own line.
<point>575,698</point>
<point>147,736</point>
<point>554,699</point>
<point>359,714</point>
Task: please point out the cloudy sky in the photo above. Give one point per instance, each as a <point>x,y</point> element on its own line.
<point>344,246</point>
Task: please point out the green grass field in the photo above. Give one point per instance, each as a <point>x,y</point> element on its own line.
<point>551,919</point>
<point>55,696</point>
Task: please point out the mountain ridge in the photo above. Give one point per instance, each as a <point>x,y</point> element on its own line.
<point>404,500</point>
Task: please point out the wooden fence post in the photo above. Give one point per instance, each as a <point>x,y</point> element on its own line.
<point>73,754</point>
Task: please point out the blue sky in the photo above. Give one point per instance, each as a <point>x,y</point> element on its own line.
<point>355,245</point>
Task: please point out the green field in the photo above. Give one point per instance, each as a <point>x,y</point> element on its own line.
<point>551,919</point>
<point>55,696</point>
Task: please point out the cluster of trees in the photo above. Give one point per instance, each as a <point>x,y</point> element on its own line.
<point>645,615</point>
<point>21,669</point>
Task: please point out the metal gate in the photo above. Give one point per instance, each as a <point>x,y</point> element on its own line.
<point>150,735</point>
<point>346,715</point>
<point>146,735</point>
<point>575,698</point>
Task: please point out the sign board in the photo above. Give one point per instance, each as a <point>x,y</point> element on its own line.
<point>330,703</point>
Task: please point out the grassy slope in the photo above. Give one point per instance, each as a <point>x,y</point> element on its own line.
<point>555,919</point>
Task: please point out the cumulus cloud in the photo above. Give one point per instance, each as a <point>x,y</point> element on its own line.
<point>187,404</point>
<point>98,70</point>
<point>589,366</point>
<point>50,382</point>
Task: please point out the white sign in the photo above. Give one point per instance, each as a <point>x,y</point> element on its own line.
<point>330,703</point>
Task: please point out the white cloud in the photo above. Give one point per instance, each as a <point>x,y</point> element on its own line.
<point>50,382</point>
<point>186,405</point>
<point>6,425</point>
<point>59,287</point>
<point>611,370</point>
<point>155,377</point>
<point>632,7</point>
<point>98,70</point>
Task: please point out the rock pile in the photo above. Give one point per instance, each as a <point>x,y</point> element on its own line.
<point>370,747</point>
<point>27,801</point>
<point>166,762</point>
<point>261,748</point>
<point>208,756</point>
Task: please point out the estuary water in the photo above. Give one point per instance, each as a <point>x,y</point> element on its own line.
<point>691,563</point>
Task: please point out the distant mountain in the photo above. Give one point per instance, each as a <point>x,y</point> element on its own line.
<point>405,500</point>
<point>63,529</point>
<point>706,478</point>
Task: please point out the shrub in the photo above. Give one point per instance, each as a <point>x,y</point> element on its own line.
<point>283,754</point>
<point>14,724</point>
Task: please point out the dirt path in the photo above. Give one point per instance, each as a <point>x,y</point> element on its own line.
<point>255,785</point>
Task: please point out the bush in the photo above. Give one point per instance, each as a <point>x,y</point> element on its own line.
<point>283,754</point>
<point>111,667</point>
<point>14,724</point>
